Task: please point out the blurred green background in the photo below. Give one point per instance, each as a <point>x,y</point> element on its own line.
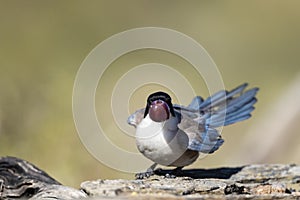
<point>43,43</point>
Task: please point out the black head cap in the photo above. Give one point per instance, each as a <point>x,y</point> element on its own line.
<point>159,96</point>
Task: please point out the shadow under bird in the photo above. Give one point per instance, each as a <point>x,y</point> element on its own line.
<point>175,135</point>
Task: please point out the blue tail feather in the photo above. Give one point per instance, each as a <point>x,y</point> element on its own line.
<point>194,105</point>
<point>220,96</point>
<point>232,109</point>
<point>213,100</point>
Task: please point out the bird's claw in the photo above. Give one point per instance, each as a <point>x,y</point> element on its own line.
<point>143,175</point>
<point>170,176</point>
<point>147,174</point>
<point>174,173</point>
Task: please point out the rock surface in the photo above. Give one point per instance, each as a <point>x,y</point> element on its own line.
<point>249,182</point>
<point>20,179</point>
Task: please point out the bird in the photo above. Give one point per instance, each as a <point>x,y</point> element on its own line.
<point>174,135</point>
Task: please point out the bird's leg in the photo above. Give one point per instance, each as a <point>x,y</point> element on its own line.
<point>147,174</point>
<point>175,172</point>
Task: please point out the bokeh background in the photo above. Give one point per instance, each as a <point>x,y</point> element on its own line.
<point>43,43</point>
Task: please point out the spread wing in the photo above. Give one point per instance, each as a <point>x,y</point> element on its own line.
<point>200,119</point>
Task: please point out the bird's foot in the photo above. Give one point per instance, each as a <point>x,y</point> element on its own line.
<point>170,176</point>
<point>147,174</point>
<point>143,175</point>
<point>174,173</point>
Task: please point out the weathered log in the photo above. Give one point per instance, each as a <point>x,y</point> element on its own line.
<point>21,179</point>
